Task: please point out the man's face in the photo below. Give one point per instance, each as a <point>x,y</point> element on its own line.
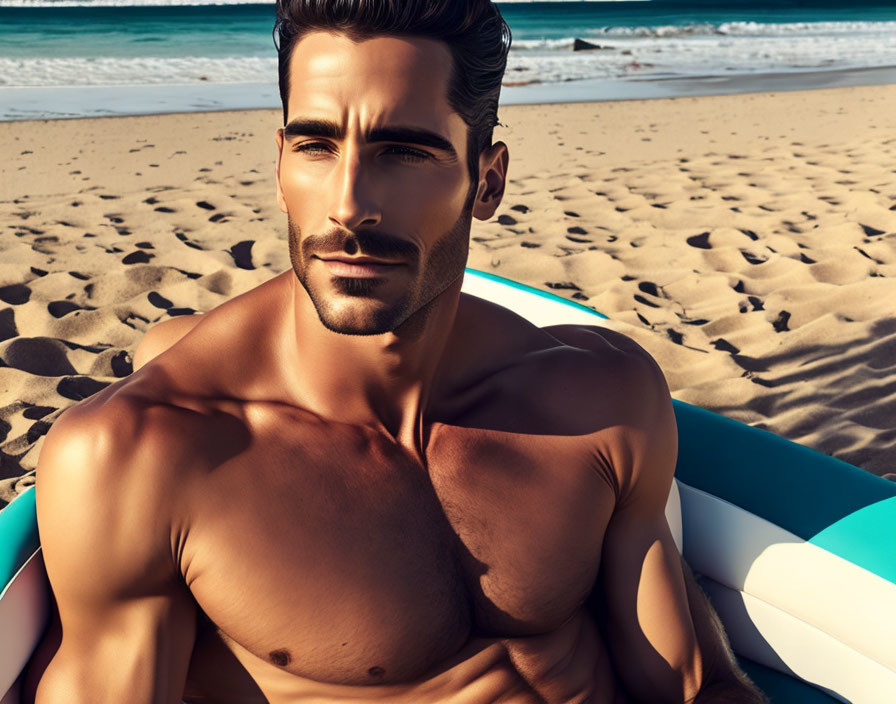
<point>356,190</point>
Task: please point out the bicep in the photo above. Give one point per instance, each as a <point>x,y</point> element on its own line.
<point>647,617</point>
<point>124,626</point>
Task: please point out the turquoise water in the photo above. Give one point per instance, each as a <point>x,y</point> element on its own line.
<point>156,43</point>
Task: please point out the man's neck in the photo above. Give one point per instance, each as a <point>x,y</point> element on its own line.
<point>379,381</point>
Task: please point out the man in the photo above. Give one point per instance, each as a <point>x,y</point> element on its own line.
<point>352,482</point>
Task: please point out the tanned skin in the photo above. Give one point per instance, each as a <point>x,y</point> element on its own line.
<point>446,505</point>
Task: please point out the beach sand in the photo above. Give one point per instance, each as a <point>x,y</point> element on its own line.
<point>748,242</point>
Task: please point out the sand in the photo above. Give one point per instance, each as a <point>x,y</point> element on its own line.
<point>748,242</point>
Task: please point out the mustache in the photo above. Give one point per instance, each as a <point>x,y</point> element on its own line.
<point>380,245</point>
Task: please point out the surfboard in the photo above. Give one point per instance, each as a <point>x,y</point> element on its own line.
<point>794,548</point>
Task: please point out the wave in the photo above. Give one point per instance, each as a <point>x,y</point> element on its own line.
<point>747,29</point>
<point>629,36</point>
<point>135,71</point>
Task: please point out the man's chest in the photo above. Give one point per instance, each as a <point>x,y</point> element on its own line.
<point>332,554</point>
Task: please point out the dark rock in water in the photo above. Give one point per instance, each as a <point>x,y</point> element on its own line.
<point>582,45</point>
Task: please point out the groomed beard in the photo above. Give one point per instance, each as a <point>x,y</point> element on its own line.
<point>429,279</point>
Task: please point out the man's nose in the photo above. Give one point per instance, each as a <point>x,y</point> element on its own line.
<point>355,203</point>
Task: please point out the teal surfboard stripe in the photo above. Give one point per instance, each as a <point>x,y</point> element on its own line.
<point>866,535</point>
<point>795,487</point>
<point>18,535</point>
<point>536,291</point>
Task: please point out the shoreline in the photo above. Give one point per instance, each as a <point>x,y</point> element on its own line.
<point>18,104</point>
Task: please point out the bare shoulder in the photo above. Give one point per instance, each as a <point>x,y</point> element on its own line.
<point>111,453</point>
<point>617,383</point>
<point>162,336</point>
<point>600,361</point>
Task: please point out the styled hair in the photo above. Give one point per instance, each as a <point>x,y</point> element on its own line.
<point>474,30</point>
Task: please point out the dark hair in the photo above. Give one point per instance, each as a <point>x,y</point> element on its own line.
<point>474,30</point>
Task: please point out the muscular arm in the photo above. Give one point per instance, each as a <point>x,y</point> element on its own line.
<point>125,624</point>
<point>666,642</point>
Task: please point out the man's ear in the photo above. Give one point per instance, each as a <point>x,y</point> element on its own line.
<point>278,138</point>
<point>492,179</point>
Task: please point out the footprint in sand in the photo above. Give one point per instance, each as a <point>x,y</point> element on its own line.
<point>59,309</point>
<point>158,300</point>
<point>870,231</point>
<point>42,356</point>
<point>520,208</point>
<point>8,329</point>
<point>15,294</point>
<point>205,205</point>
<point>183,238</point>
<point>77,388</point>
<point>37,412</point>
<point>121,365</point>
<point>780,324</point>
<point>700,241</point>
<point>753,258</point>
<point>242,254</point>
<point>138,257</point>
<point>506,220</point>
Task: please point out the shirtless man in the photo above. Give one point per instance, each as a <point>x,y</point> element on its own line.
<point>354,483</point>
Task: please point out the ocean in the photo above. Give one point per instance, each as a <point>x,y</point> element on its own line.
<point>71,58</point>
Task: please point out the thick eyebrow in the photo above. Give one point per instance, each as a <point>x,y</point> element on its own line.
<point>393,133</point>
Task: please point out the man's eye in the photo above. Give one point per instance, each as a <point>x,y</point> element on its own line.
<point>402,152</point>
<point>310,147</point>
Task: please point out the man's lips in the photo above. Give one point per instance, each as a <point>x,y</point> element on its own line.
<point>357,260</point>
<point>358,267</point>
